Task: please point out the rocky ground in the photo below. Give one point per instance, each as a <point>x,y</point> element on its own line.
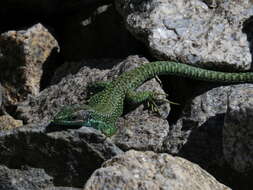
<point>51,50</point>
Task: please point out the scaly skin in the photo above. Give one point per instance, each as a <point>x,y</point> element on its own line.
<point>106,106</point>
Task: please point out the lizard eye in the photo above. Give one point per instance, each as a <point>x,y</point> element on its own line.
<point>64,114</point>
<point>73,112</point>
<point>83,115</point>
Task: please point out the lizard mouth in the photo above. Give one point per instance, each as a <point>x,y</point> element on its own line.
<point>74,120</point>
<point>82,116</point>
<point>77,119</point>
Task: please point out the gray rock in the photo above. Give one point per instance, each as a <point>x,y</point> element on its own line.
<point>62,188</point>
<point>201,136</point>
<point>27,179</point>
<point>24,179</point>
<point>141,130</point>
<point>72,68</point>
<point>238,131</point>
<point>187,30</point>
<point>68,156</point>
<point>197,135</point>
<point>148,170</point>
<point>1,95</point>
<point>2,101</point>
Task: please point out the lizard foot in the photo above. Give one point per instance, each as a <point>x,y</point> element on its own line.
<point>152,101</point>
<point>157,94</point>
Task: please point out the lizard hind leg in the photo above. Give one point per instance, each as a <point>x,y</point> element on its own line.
<point>150,97</point>
<point>107,129</point>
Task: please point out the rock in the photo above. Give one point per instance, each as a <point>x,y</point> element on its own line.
<point>201,136</point>
<point>189,31</point>
<point>2,101</point>
<point>141,130</point>
<point>68,156</point>
<point>25,178</point>
<point>148,170</point>
<point>238,131</point>
<point>8,122</point>
<point>22,55</point>
<point>72,68</point>
<point>1,95</point>
<point>197,135</point>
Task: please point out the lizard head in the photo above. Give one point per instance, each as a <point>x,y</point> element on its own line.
<point>78,117</point>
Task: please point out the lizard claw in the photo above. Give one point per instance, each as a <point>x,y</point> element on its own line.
<point>151,103</point>
<point>156,94</point>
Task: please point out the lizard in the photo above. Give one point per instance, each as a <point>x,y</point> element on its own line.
<point>106,105</point>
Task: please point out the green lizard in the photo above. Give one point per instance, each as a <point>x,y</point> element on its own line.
<point>106,106</point>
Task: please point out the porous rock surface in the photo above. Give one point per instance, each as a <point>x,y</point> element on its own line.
<point>8,122</point>
<point>149,170</point>
<point>215,131</point>
<point>190,31</point>
<point>203,135</point>
<point>238,131</point>
<point>68,157</point>
<point>27,179</point>
<point>197,134</point>
<point>22,55</point>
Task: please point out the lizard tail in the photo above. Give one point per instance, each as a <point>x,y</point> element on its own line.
<point>152,69</point>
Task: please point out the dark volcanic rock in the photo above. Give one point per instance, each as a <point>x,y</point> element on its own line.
<point>238,130</point>
<point>68,156</point>
<point>25,178</point>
